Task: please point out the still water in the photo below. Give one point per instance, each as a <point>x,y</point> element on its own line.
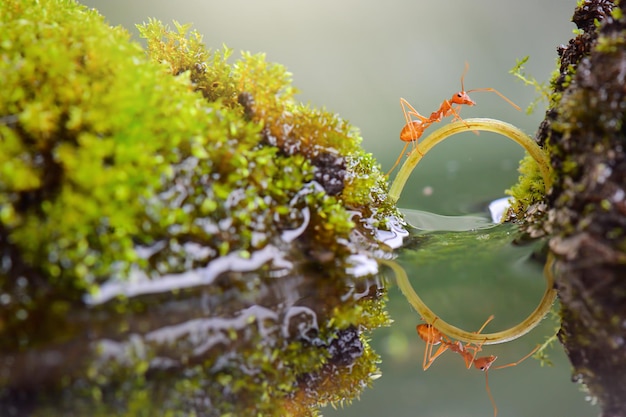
<point>465,276</point>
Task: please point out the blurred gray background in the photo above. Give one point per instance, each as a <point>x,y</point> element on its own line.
<point>357,58</point>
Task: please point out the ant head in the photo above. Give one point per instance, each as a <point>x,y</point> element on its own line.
<point>485,362</point>
<point>462,98</point>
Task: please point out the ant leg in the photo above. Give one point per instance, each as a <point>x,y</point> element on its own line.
<point>456,117</point>
<point>398,160</point>
<point>493,402</point>
<point>409,111</point>
<point>432,336</point>
<point>455,111</point>
<point>477,347</point>
<point>485,324</point>
<point>474,348</point>
<point>415,128</point>
<point>493,90</point>
<point>428,349</point>
<point>432,357</point>
<point>508,365</point>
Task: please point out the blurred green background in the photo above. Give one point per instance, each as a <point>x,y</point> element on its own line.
<point>357,58</point>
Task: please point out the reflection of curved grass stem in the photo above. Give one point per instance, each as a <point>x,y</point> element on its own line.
<point>488,125</point>
<point>513,133</point>
<point>472,337</point>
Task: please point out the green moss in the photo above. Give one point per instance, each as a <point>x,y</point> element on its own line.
<point>529,193</point>
<point>85,166</point>
<point>183,52</point>
<point>566,114</point>
<point>114,161</point>
<point>541,89</point>
<point>530,188</point>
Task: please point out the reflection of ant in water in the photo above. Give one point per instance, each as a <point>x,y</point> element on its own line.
<point>414,128</point>
<point>432,337</point>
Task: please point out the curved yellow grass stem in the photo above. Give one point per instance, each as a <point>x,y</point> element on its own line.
<point>472,337</point>
<point>487,125</point>
<point>515,134</point>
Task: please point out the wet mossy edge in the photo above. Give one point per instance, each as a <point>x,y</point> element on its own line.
<point>99,136</point>
<point>106,150</point>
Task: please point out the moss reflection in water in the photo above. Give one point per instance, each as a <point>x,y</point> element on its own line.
<point>239,346</point>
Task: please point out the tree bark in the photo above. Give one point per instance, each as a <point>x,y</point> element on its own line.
<point>585,134</point>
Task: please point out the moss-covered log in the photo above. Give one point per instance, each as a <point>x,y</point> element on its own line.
<point>178,235</point>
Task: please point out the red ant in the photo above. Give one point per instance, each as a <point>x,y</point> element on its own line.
<point>413,129</point>
<point>429,334</point>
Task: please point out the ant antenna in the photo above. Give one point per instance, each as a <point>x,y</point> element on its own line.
<point>463,75</point>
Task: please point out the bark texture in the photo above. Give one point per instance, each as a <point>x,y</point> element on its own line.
<point>585,134</point>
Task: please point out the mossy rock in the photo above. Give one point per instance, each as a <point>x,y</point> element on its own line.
<point>122,174</point>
